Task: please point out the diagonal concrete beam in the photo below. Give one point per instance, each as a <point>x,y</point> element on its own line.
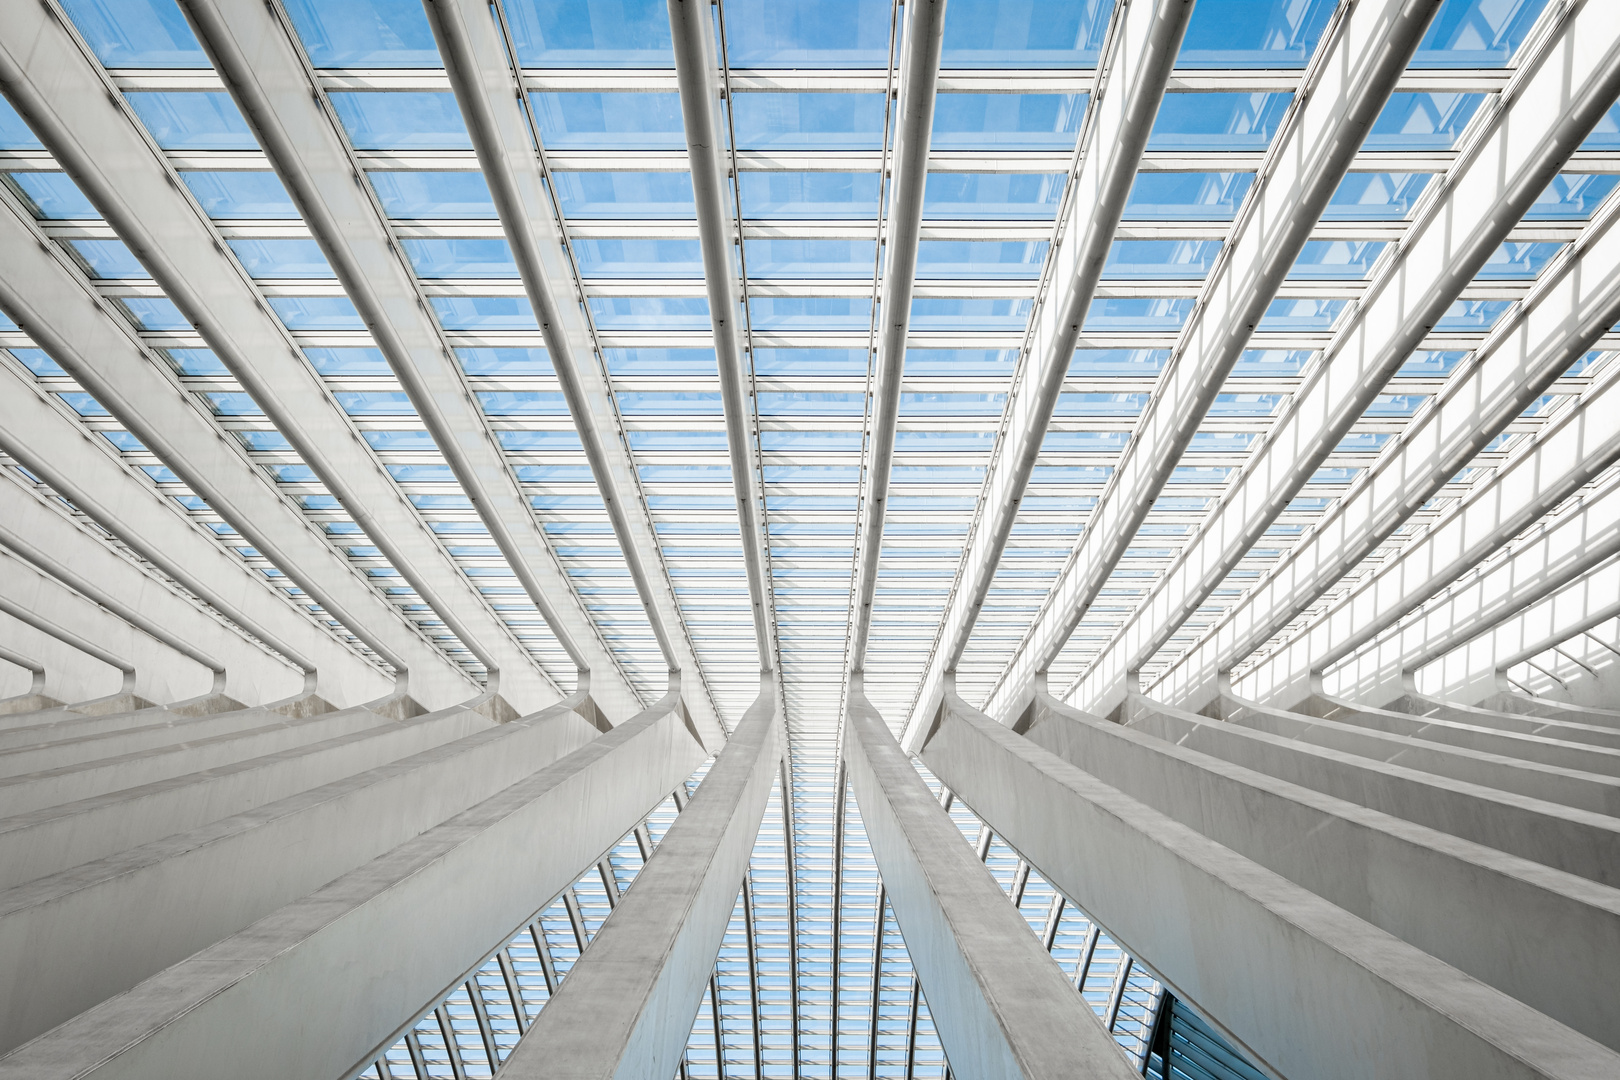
<point>1569,79</point>
<point>1354,71</point>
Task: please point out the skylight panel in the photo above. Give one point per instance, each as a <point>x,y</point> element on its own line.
<point>364,33</point>
<point>485,313</point>
<point>1477,33</point>
<point>273,257</point>
<point>997,363</point>
<point>239,194</point>
<point>229,403</point>
<point>1271,363</point>
<point>981,259</point>
<point>522,403</point>
<point>810,313</point>
<point>36,361</point>
<point>609,121</point>
<point>52,196</point>
<point>192,120</point>
<point>14,133</point>
<point>1140,314</point>
<point>1376,196</point>
<point>349,362</point>
<point>566,33</point>
<point>137,33</point>
<point>1029,196</point>
<point>1007,121</point>
<point>374,402</point>
<point>829,34</point>
<point>1182,260</point>
<point>819,121</point>
<point>1345,260</point>
<point>1116,405</point>
<point>650,312</point>
<point>1192,196</point>
<point>1300,316</point>
<point>1422,121</point>
<point>699,403</point>
<point>108,259</point>
<point>504,361</point>
<point>1571,197</point>
<point>401,120</point>
<point>1471,316</point>
<point>624,194</point>
<point>1221,121</point>
<point>970,314</point>
<point>155,313</point>
<point>429,195</point>
<point>1245,34</point>
<point>660,361</point>
<point>316,313</point>
<point>639,258</point>
<point>811,403</point>
<point>1517,260</point>
<point>460,257</point>
<point>1024,33</point>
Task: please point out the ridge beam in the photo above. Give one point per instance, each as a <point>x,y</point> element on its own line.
<point>1346,86</point>
<point>1530,130</point>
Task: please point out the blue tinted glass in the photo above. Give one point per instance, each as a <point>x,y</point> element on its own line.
<point>1146,363</point>
<point>52,196</point>
<point>1084,442</point>
<point>522,403</point>
<point>281,258</point>
<point>85,405</point>
<point>504,361</point>
<point>567,33</point>
<point>592,121</point>
<point>433,194</point>
<point>349,361</point>
<point>1253,33</point>
<point>1518,260</point>
<point>998,259</point>
<point>124,441</point>
<point>992,195</point>
<point>402,440</point>
<point>109,259</point>
<point>808,121</point>
<point>1430,364</point>
<point>485,313</point>
<point>1335,259</point>
<point>14,134</point>
<point>240,194</point>
<point>364,33</point>
<point>317,312</point>
<point>37,362</point>
<point>137,33</point>
<point>441,257</point>
<point>660,361</point>
<point>539,440</point>
<point>788,441</point>
<point>1477,33</point>
<point>1606,134</point>
<point>225,403</point>
<point>970,314</point>
<point>196,361</point>
<point>650,312</point>
<point>850,362</point>
<point>1188,260</point>
<point>1220,442</point>
<point>1571,197</point>
<point>1176,196</point>
<point>1101,404</point>
<point>1138,313</point>
<point>193,121</point>
<point>809,313</point>
<point>777,403</point>
<point>809,195</point>
<point>1395,404</point>
<point>811,258</point>
<point>1471,316</point>
<point>676,440</point>
<point>402,120</point>
<point>698,403</point>
<point>830,33</point>
<point>155,313</point>
<point>1024,33</point>
<point>1217,121</point>
<point>1245,404</point>
<point>1271,363</point>
<point>375,403</point>
<point>1300,315</point>
<point>639,258</point>
<point>1007,121</point>
<point>625,194</point>
<point>949,404</point>
<point>1422,121</point>
<point>1375,196</point>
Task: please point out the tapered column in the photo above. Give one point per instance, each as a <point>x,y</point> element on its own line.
<point>627,1007</point>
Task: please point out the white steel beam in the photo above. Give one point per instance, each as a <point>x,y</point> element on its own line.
<point>49,607</point>
<point>85,471</point>
<point>475,50</point>
<point>1573,304</point>
<point>34,697</point>
<point>923,38</point>
<point>697,66</point>
<point>1569,454</point>
<point>1569,80</point>
<point>1351,77</point>
<point>1125,99</point>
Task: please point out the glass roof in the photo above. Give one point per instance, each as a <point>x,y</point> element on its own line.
<point>811,127</point>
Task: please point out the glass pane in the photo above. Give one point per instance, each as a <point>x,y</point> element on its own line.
<point>522,362</point>
<point>581,121</point>
<point>660,361</point>
<point>156,313</point>
<point>485,313</point>
<point>14,134</point>
<point>650,312</point>
<point>567,33</point>
<point>1300,316</point>
<point>108,259</point>
<point>281,258</point>
<point>808,121</point>
<point>240,194</point>
<point>809,195</point>
<point>970,314</point>
<point>439,257</point>
<point>1271,363</point>
<point>137,33</point>
<point>1476,316</point>
<point>402,120</point>
<point>990,195</point>
<point>1024,33</point>
<point>1518,260</point>
<point>52,196</point>
<point>1422,121</point>
<point>1571,197</point>
<point>449,195</point>
<point>1606,134</point>
<point>812,362</point>
<point>1192,196</point>
<point>811,258</point>
<point>809,313</point>
<point>193,121</point>
<point>829,33</point>
<point>1101,404</point>
<point>639,258</point>
<point>1217,121</point>
<point>1376,196</point>
<point>364,33</point>
<point>1253,33</point>
<point>998,259</point>
<point>1188,260</point>
<point>625,194</point>
<point>1340,259</point>
<point>1008,121</point>
<point>1477,33</point>
<point>1145,363</point>
<point>201,362</point>
<point>317,312</point>
<point>374,403</point>
<point>522,403</point>
<point>349,362</point>
<point>36,361</point>
<point>1147,314</point>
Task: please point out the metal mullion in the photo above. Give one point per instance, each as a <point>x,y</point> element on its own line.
<point>1117,995</point>
<point>537,934</point>
<point>837,900</point>
<point>610,882</point>
<point>413,1046</point>
<point>791,879</point>
<point>1083,968</point>
<point>452,1049</point>
<point>1054,915</point>
<point>911,1028</point>
<point>877,983</point>
<point>719,1032</point>
<point>575,919</point>
<point>475,994</point>
<point>514,990</point>
<point>753,970</point>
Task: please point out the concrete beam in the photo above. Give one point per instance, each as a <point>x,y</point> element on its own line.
<point>1356,67</point>
<point>627,1006</point>
<point>335,950</point>
<point>1462,902</point>
<point>1566,81</point>
<point>1306,988</point>
<point>27,595</point>
<point>1002,1007</point>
